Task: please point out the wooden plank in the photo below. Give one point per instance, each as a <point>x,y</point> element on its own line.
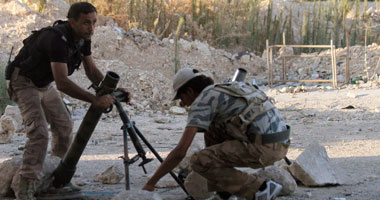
<point>301,46</point>
<point>306,81</point>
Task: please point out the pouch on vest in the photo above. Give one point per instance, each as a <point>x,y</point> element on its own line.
<point>257,104</point>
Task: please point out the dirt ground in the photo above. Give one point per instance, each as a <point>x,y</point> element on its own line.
<point>350,136</point>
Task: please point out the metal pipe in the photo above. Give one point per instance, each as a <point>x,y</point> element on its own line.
<point>66,168</point>
<point>239,75</point>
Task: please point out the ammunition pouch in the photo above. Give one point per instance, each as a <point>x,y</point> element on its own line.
<point>269,138</point>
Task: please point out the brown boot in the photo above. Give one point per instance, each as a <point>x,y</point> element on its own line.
<point>26,189</point>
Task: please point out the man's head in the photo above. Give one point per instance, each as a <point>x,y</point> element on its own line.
<point>82,17</point>
<point>188,84</point>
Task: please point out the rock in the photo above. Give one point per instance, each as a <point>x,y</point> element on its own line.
<point>15,113</point>
<point>313,167</point>
<point>10,177</point>
<point>57,9</point>
<point>8,128</point>
<point>161,121</point>
<point>203,48</point>
<point>7,170</point>
<point>196,185</point>
<point>177,110</point>
<point>137,194</point>
<point>281,176</point>
<point>17,8</point>
<point>285,90</point>
<point>112,175</point>
<point>352,95</point>
<point>186,46</point>
<point>245,59</point>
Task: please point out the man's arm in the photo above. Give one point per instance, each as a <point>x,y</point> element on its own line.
<point>92,72</point>
<point>174,157</point>
<point>68,87</point>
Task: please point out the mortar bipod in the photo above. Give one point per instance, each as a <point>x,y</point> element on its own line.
<point>130,129</point>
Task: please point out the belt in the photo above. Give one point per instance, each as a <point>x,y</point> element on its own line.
<point>270,138</point>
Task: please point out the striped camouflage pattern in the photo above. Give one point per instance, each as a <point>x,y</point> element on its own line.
<point>216,108</point>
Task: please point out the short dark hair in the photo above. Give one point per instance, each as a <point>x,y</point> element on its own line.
<point>80,7</point>
<point>197,84</point>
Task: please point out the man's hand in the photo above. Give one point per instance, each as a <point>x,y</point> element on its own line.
<point>126,94</point>
<point>148,187</point>
<point>104,101</point>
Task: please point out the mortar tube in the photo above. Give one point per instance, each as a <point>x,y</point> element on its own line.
<point>66,168</point>
<point>239,75</point>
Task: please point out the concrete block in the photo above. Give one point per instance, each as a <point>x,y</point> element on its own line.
<point>314,168</point>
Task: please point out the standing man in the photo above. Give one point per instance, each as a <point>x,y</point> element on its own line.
<point>242,128</point>
<point>52,54</point>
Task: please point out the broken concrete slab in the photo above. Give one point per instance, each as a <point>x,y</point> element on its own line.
<point>112,175</point>
<point>10,178</point>
<point>314,168</point>
<point>196,186</point>
<point>281,176</point>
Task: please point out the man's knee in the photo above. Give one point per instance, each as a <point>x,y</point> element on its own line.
<point>36,129</point>
<point>202,161</point>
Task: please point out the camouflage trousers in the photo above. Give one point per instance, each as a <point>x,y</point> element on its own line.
<point>217,161</point>
<point>40,106</point>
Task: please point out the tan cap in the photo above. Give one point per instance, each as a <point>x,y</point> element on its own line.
<point>182,77</point>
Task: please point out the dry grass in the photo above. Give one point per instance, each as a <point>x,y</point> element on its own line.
<point>237,24</point>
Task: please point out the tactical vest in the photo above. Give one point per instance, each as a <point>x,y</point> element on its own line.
<point>34,65</point>
<point>258,103</point>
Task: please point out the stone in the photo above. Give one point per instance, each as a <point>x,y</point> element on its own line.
<point>285,90</point>
<point>203,48</point>
<point>137,194</point>
<point>313,167</point>
<point>7,170</point>
<point>7,129</point>
<point>245,59</point>
<point>177,110</point>
<point>186,46</point>
<point>112,175</point>
<point>15,113</point>
<point>196,186</point>
<point>281,176</point>
<point>10,177</point>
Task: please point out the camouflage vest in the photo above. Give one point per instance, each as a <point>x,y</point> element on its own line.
<point>257,104</point>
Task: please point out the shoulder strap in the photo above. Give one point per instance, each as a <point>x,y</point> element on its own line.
<point>258,102</point>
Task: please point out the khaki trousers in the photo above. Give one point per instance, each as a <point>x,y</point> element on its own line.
<point>217,161</point>
<point>40,106</point>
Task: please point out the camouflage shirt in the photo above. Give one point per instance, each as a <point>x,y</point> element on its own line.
<point>212,108</point>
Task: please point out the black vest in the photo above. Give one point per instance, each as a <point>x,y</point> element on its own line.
<point>36,66</point>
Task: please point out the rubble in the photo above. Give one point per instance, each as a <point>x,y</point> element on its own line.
<point>281,176</point>
<point>313,167</point>
<point>10,178</point>
<point>175,110</point>
<point>112,175</point>
<point>7,129</point>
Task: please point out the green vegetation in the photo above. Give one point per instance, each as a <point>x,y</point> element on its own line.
<point>4,99</point>
<point>243,24</point>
